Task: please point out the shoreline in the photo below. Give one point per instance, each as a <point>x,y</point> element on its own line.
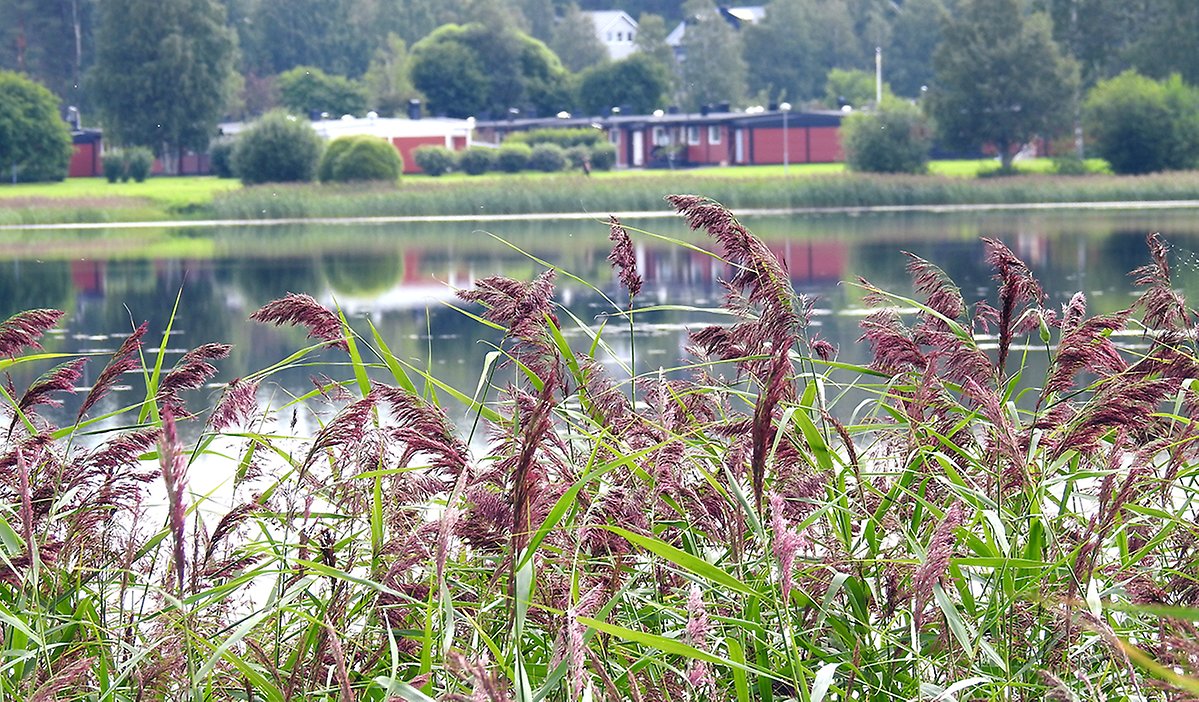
<point>1120,205</point>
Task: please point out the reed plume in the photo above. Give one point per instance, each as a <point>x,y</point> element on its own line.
<point>122,361</point>
<point>302,310</point>
<point>24,329</point>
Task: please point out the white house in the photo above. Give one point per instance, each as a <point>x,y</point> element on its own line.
<point>616,30</point>
<point>737,17</point>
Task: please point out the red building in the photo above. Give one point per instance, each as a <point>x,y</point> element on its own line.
<point>705,139</point>
<point>85,159</point>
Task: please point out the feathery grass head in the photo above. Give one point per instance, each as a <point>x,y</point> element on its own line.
<point>24,329</point>
<point>302,310</point>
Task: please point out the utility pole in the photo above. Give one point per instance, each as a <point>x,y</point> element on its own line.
<point>878,76</point>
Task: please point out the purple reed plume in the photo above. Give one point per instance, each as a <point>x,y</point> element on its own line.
<point>61,378</point>
<point>123,360</point>
<point>298,309</point>
<point>698,627</point>
<point>190,373</point>
<point>24,329</point>
<point>1016,285</point>
<point>940,292</point>
<point>1164,307</point>
<point>576,652</point>
<point>174,475</point>
<point>936,559</point>
<point>1085,345</point>
<point>787,543</point>
<point>622,258</point>
<point>237,405</point>
<point>346,429</point>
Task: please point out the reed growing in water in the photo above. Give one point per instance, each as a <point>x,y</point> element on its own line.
<point>743,526</point>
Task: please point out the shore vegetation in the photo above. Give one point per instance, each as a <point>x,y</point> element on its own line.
<point>755,521</point>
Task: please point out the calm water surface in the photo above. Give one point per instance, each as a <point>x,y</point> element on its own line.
<point>402,277</point>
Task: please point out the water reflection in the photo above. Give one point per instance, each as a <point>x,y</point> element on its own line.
<point>402,276</point>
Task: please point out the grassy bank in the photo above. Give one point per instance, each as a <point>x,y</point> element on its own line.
<point>758,523</point>
<point>802,186</point>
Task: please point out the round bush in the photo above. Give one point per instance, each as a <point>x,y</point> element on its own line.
<point>139,161</point>
<point>35,143</point>
<point>360,157</point>
<point>548,158</point>
<point>278,148</point>
<point>603,157</point>
<point>113,164</point>
<point>433,160</point>
<point>476,160</point>
<point>220,158</point>
<point>577,155</point>
<point>511,158</point>
<point>895,138</point>
<point>1141,125</point>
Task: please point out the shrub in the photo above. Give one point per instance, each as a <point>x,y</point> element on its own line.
<point>476,160</point>
<point>565,137</point>
<point>113,163</point>
<point>1069,165</point>
<point>547,157</point>
<point>577,155</point>
<point>139,161</point>
<point>220,158</point>
<point>896,138</point>
<point>35,143</point>
<point>511,158</point>
<point>306,89</point>
<point>360,157</point>
<point>433,160</point>
<point>1140,125</point>
<point>603,157</point>
<point>278,148</point>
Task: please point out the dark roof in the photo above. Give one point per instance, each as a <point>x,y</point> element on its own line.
<point>86,136</point>
<point>822,118</point>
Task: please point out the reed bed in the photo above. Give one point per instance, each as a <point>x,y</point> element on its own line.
<point>575,193</point>
<point>759,522</point>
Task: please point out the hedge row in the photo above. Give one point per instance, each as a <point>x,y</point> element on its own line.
<point>513,157</point>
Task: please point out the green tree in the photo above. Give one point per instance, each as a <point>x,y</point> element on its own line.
<point>894,138</point>
<point>1141,126</point>
<point>35,144</point>
<point>651,43</point>
<point>792,49</point>
<point>163,73</point>
<point>306,89</point>
<point>1167,40</point>
<point>713,69</point>
<point>1000,78</point>
<point>573,39</point>
<point>915,35</point>
<point>388,81</point>
<point>637,83</point>
<point>50,41</point>
<point>337,36</point>
<point>852,87</point>
<point>478,69</point>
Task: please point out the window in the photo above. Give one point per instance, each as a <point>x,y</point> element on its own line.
<point>614,136</point>
<point>693,135</point>
<point>630,36</point>
<point>713,134</point>
<point>661,138</point>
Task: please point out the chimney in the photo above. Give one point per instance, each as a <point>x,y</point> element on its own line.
<point>414,109</point>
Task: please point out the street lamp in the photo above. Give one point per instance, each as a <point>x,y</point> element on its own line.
<point>786,108</point>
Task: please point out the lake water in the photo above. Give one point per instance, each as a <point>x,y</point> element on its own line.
<point>401,277</point>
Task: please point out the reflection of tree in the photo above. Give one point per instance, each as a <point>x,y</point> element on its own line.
<point>357,274</point>
<point>27,285</point>
<point>264,279</point>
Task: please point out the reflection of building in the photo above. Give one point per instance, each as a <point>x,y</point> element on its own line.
<point>715,136</point>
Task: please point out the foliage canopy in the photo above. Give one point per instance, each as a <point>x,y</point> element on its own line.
<point>35,144</point>
<point>1000,78</point>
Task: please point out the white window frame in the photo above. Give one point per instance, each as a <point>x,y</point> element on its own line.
<point>693,135</point>
<point>713,133</point>
<point>661,136</point>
